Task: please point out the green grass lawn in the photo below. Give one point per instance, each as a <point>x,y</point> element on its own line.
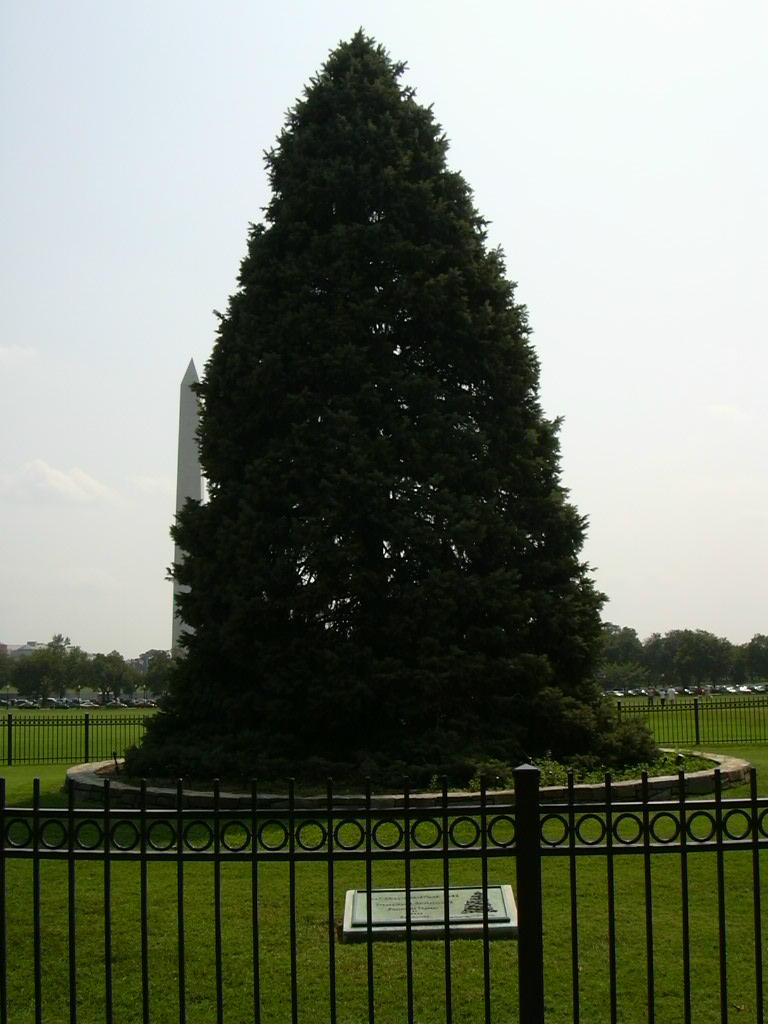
<point>721,719</point>
<point>123,952</point>
<point>59,736</point>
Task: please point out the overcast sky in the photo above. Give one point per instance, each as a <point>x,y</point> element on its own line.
<point>619,151</point>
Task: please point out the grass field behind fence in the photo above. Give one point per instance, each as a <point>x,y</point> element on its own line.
<point>721,719</point>
<point>58,736</point>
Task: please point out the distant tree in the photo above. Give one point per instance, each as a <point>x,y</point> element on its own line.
<point>388,568</point>
<point>687,657</point>
<point>5,669</point>
<point>40,674</point>
<point>620,644</point>
<point>757,657</point>
<point>657,658</point>
<point>111,676</point>
<point>621,653</point>
<point>158,674</point>
<point>78,670</point>
<point>622,675</point>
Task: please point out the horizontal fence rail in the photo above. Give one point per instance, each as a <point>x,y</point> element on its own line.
<point>61,738</point>
<point>221,915</point>
<point>701,720</point>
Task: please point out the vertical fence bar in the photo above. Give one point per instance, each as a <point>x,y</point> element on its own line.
<point>87,739</point>
<point>331,901</point>
<point>36,911</point>
<point>182,979</point>
<point>407,880</point>
<point>484,883</point>
<point>611,886</point>
<point>529,905</point>
<point>573,900</point>
<point>3,932</point>
<point>9,745</point>
<point>720,855</point>
<point>648,894</point>
<point>697,724</point>
<point>144,902</point>
<point>369,901</point>
<point>217,945</point>
<point>292,898</point>
<point>107,849</point>
<point>447,905</point>
<point>71,902</point>
<point>255,902</point>
<point>685,910</point>
<point>755,823</point>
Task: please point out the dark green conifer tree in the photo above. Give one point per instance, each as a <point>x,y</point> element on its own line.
<point>387,568</point>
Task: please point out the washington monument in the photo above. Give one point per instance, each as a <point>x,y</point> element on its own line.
<point>189,478</point>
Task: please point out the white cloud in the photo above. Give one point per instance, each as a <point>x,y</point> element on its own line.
<point>37,481</point>
<point>152,484</point>
<point>730,413</point>
<point>89,578</point>
<point>12,355</point>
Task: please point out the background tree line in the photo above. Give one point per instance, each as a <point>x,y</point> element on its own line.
<point>681,657</point>
<point>59,668</point>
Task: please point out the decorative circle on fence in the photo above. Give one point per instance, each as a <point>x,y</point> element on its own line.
<point>82,832</point>
<point>708,818</point>
<point>762,823</point>
<point>197,835</point>
<point>659,820</point>
<point>53,835</point>
<point>557,836</point>
<point>311,828</point>
<point>599,835</point>
<point>423,841</point>
<point>733,816</point>
<point>240,838</point>
<point>124,827</point>
<point>381,842</point>
<point>496,833</point>
<point>626,837</point>
<point>282,832</point>
<point>473,835</point>
<point>346,844</point>
<point>18,833</point>
<point>161,836</point>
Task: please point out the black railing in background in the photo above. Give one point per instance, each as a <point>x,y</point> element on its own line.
<point>701,721</point>
<point>230,915</point>
<point>61,738</point>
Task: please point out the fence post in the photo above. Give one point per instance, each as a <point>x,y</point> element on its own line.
<point>10,738</point>
<point>696,719</point>
<point>618,709</point>
<point>529,903</point>
<point>87,751</point>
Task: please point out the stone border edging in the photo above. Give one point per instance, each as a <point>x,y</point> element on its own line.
<point>89,785</point>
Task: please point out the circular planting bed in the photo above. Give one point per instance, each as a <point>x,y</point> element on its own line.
<point>88,781</point>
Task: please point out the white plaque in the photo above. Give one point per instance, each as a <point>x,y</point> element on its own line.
<point>466,913</point>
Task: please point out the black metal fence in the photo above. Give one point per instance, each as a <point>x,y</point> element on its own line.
<point>61,738</point>
<point>65,738</point>
<point>702,721</point>
<point>627,911</point>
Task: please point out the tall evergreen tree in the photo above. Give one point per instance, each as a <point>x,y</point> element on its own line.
<point>387,568</point>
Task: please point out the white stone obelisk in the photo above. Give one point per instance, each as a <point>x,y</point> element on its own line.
<point>189,477</point>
